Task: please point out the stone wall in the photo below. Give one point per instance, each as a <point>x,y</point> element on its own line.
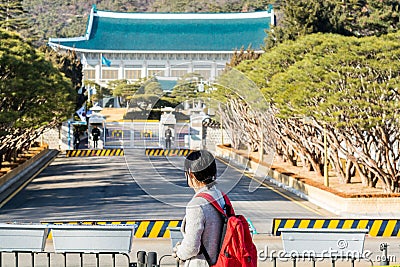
<point>51,137</point>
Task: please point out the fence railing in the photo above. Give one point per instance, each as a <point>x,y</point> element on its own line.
<point>314,261</point>
<point>49,259</point>
<point>29,240</point>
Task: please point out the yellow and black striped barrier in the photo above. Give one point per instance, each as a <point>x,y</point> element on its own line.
<point>180,152</point>
<point>376,227</point>
<point>145,228</point>
<point>107,152</point>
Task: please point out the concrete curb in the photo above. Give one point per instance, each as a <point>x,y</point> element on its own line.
<point>366,207</point>
<point>16,178</point>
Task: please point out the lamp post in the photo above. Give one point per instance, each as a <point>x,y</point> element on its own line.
<point>326,175</point>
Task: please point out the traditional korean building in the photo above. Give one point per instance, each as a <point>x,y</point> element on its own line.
<point>166,45</point>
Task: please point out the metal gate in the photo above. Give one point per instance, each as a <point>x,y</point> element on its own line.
<point>142,134</point>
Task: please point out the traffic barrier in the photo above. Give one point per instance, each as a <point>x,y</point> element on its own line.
<point>154,152</point>
<point>377,227</point>
<point>208,122</point>
<point>145,228</point>
<point>95,152</point>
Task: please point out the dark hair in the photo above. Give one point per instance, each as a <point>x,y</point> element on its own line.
<point>202,164</point>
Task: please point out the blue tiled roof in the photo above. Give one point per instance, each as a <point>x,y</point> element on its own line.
<point>111,31</point>
<point>167,85</point>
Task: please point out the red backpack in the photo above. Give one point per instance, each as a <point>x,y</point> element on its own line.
<point>236,245</point>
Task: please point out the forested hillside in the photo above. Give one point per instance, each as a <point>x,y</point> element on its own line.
<point>58,18</point>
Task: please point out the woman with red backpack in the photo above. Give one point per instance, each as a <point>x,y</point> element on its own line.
<point>212,234</point>
<point>202,224</point>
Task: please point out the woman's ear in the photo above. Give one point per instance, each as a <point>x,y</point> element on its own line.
<point>191,175</point>
<point>196,183</point>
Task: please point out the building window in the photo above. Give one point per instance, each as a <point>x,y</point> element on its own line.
<point>109,74</point>
<point>153,66</point>
<point>180,66</point>
<point>89,74</point>
<point>151,73</point>
<point>178,72</point>
<point>203,66</point>
<point>133,66</point>
<point>92,56</point>
<point>133,74</point>
<point>205,74</point>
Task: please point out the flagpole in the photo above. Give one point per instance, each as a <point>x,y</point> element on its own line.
<point>101,66</point>
<point>86,109</point>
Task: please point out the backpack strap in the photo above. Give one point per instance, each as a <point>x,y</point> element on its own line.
<point>228,206</point>
<point>213,202</point>
<point>229,212</point>
<point>205,253</point>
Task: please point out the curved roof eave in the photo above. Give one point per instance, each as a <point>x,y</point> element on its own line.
<point>55,46</point>
<point>184,16</point>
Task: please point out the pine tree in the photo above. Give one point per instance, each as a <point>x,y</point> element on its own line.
<point>186,88</point>
<point>346,17</point>
<point>11,15</point>
<point>346,87</point>
<point>34,94</point>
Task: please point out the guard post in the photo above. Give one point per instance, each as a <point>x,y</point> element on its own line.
<point>167,121</point>
<point>96,119</point>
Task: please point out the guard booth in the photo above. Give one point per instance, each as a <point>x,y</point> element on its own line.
<point>80,127</point>
<point>96,119</point>
<point>196,129</point>
<point>167,121</point>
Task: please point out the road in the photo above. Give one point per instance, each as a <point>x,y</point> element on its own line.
<point>137,187</point>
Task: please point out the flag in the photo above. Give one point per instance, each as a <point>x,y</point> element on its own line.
<point>81,113</point>
<point>105,61</point>
<point>81,90</point>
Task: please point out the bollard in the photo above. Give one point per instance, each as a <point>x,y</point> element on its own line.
<point>152,259</point>
<point>384,259</point>
<point>141,258</point>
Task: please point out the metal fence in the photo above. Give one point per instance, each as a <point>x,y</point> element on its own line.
<point>150,259</point>
<point>52,259</point>
<point>142,134</point>
<point>138,134</point>
<point>73,245</point>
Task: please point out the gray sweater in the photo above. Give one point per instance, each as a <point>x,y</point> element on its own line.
<point>202,223</point>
